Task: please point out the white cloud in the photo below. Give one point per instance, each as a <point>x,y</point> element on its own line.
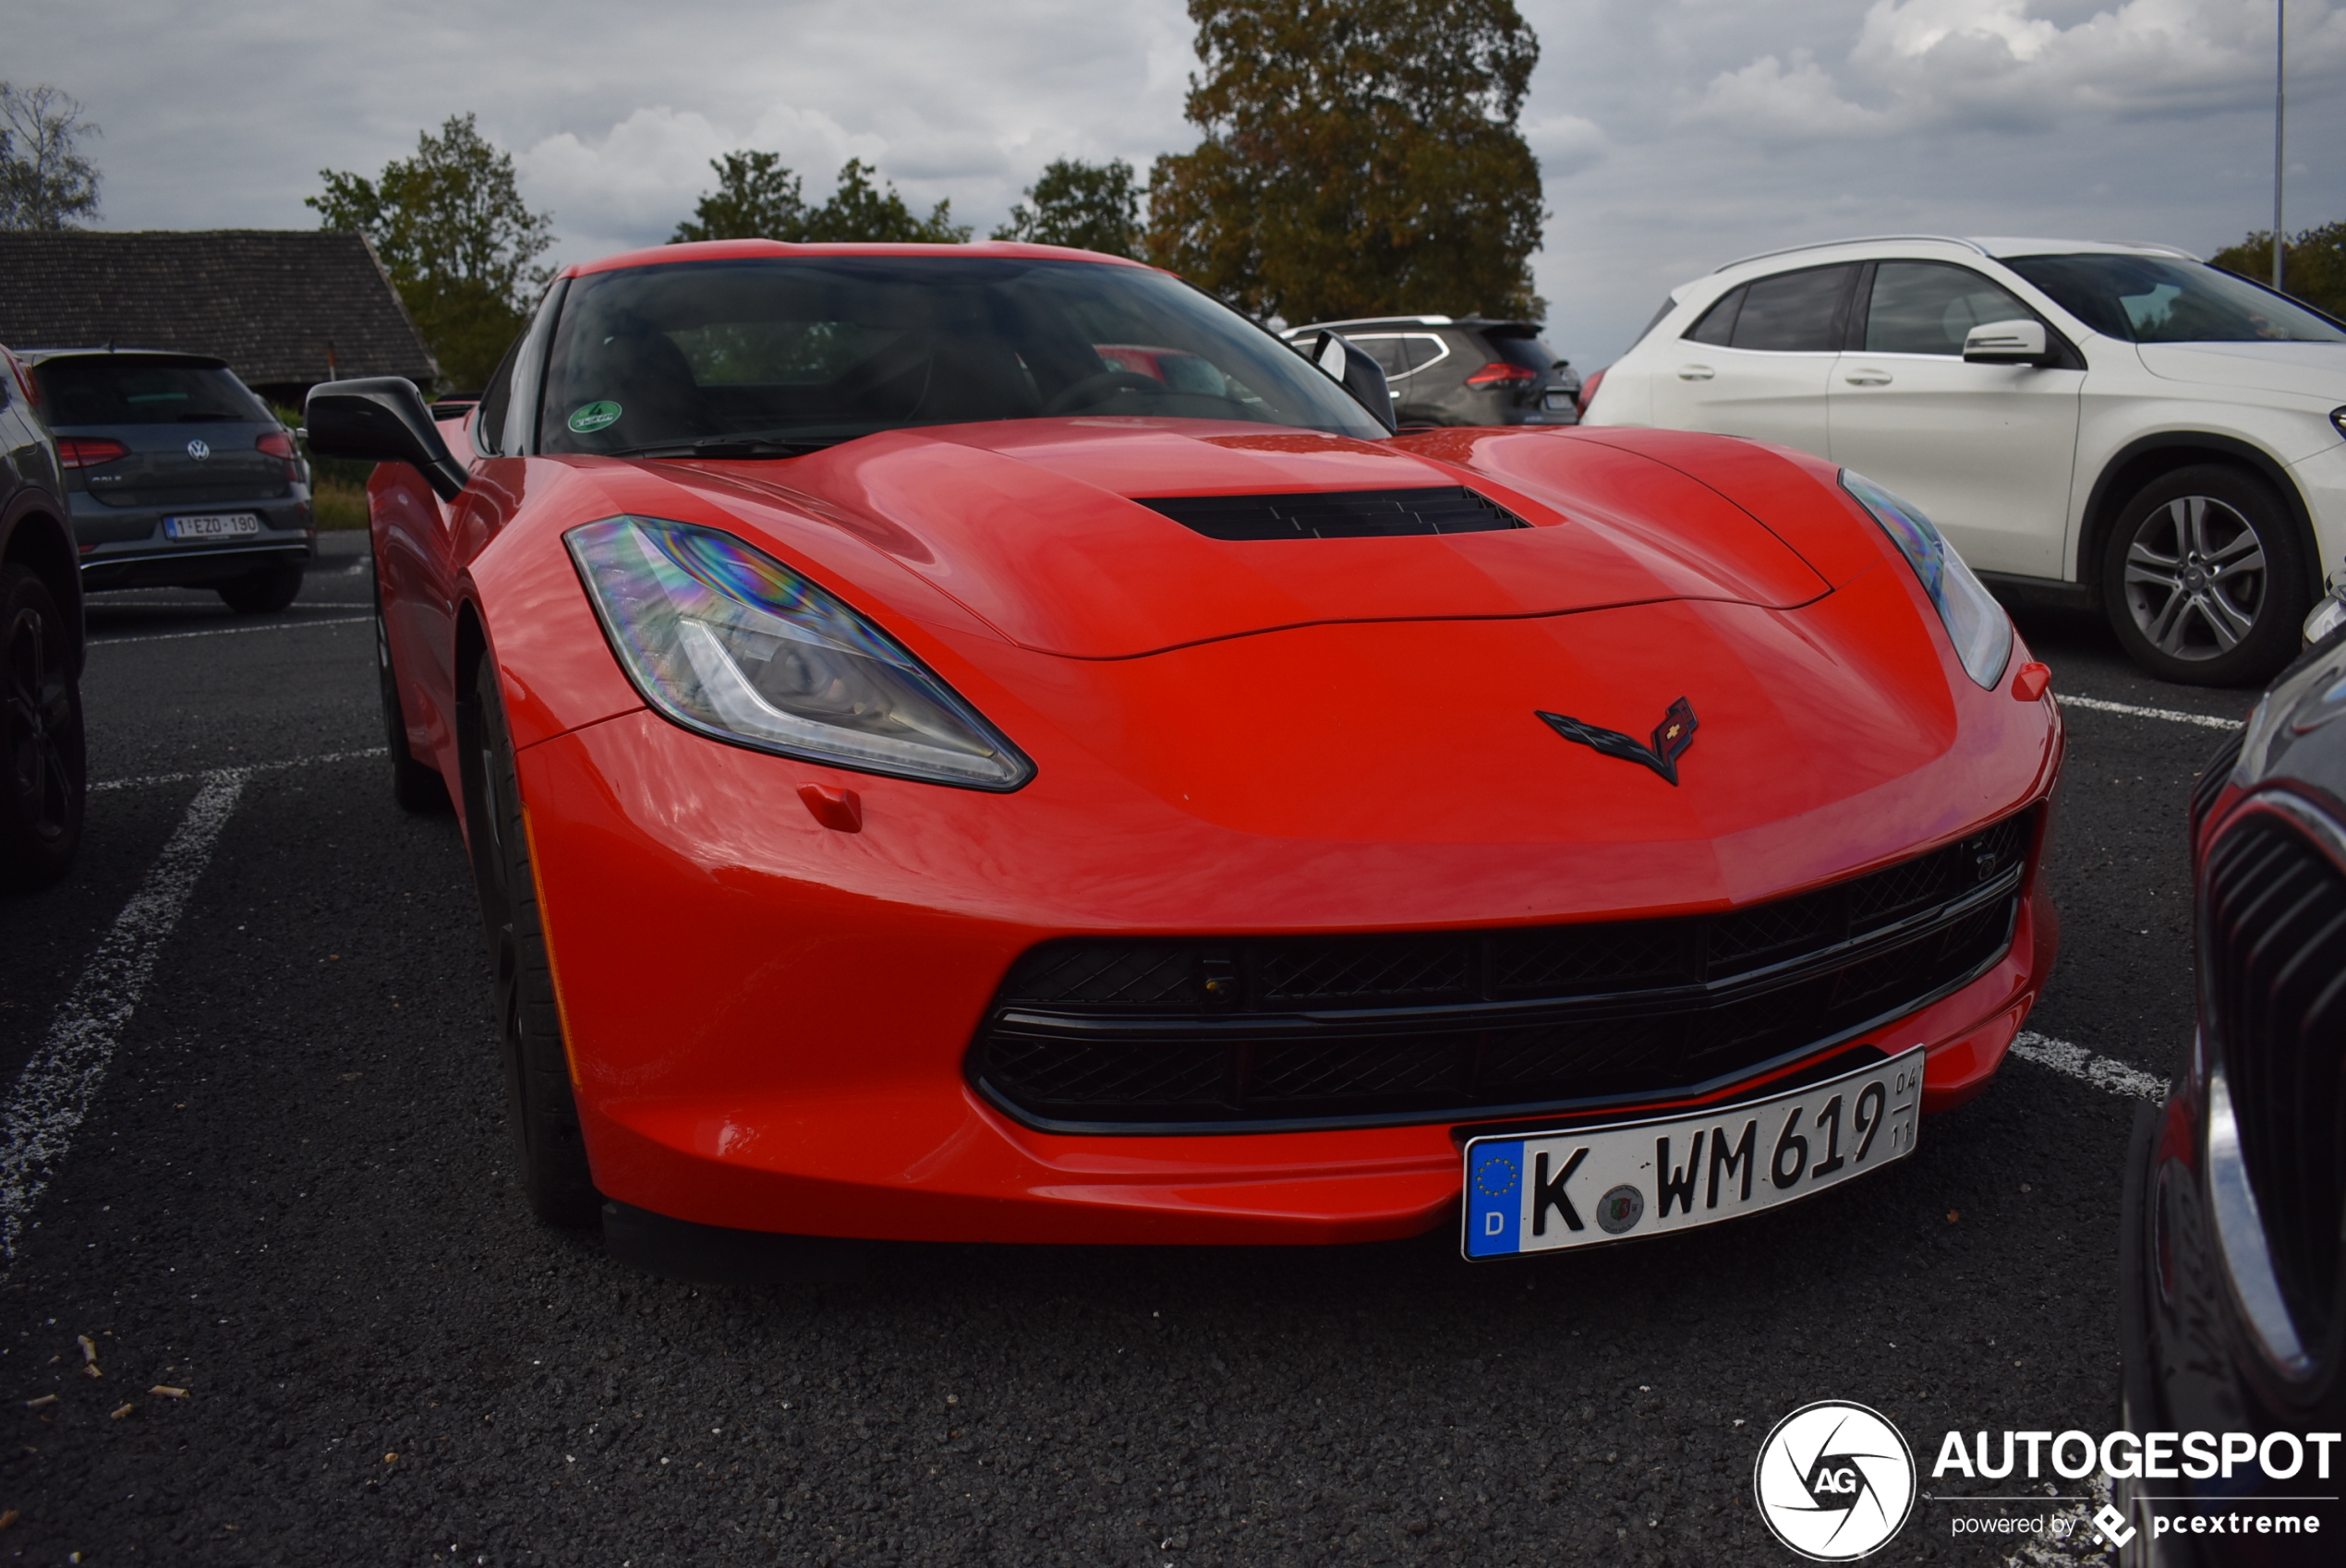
<point>1566,144</point>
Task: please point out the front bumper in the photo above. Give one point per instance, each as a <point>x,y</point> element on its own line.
<point>772,1036</point>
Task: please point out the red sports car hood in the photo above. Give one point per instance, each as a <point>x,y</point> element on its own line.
<point>1033,527</point>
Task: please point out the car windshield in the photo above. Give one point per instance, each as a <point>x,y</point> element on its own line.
<point>770,357</point>
<point>2156,299</point>
<point>124,389</point>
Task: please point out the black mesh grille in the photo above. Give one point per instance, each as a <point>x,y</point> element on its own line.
<point>2274,953</point>
<point>1334,1029</point>
<point>1343,514</point>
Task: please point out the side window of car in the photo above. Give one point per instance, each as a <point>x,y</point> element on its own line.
<point>1795,312</point>
<point>1424,349</point>
<point>1386,349</point>
<point>489,420</point>
<point>1717,326</point>
<point>1931,307</point>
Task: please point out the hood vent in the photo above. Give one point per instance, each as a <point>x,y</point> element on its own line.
<point>1340,514</point>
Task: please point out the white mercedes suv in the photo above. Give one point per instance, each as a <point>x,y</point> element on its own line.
<point>2113,426</point>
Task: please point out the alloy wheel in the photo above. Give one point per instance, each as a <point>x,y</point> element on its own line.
<point>2196,578</point>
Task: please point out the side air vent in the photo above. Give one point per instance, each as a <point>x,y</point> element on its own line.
<point>1343,514</point>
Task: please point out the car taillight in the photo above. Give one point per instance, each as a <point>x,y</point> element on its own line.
<point>89,451</point>
<point>276,443</point>
<point>1589,391</point>
<point>1500,374</point>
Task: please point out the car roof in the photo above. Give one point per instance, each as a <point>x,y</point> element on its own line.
<point>1467,321</point>
<point>1995,248</point>
<point>742,249</point>
<point>35,356</point>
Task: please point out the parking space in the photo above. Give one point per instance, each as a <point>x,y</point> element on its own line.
<point>324,1328</point>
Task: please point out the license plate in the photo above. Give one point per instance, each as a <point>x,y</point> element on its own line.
<point>1540,1192</point>
<point>212,525</point>
<point>1559,400</point>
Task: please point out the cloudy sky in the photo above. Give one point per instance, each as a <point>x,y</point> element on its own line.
<point>1673,134</point>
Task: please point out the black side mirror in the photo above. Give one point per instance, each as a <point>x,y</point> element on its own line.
<point>381,419</point>
<point>1358,374</point>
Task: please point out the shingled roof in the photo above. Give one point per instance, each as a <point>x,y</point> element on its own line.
<point>285,309</point>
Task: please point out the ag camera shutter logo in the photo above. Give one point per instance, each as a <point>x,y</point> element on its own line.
<point>1834,1482</point>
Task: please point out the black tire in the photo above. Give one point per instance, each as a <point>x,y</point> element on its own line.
<point>551,1152</point>
<point>264,590</point>
<point>2205,578</point>
<point>416,786</point>
<point>43,778</point>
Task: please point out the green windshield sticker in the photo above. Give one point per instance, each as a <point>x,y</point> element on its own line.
<point>593,417</point>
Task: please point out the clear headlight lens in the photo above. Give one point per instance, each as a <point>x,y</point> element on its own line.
<point>1981,630</point>
<point>726,640</point>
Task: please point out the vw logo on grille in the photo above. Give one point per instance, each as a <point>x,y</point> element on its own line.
<point>199,451</point>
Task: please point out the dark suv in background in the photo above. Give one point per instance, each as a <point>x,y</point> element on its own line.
<point>177,474</point>
<point>1463,372</point>
<point>42,768</point>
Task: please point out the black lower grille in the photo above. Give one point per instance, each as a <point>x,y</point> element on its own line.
<point>2275,951</point>
<point>1141,1035</point>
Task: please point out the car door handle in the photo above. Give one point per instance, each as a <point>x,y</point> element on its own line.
<point>1868,377</point>
<point>1695,372</point>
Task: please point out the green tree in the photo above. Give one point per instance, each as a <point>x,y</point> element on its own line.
<point>45,181</point>
<point>2313,266</point>
<point>1361,157</point>
<point>453,233</point>
<point>1090,206</point>
<point>756,198</point>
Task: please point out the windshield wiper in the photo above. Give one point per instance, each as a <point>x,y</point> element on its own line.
<point>729,446</point>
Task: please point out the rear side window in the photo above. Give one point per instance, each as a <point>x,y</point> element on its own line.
<point>123,389</point>
<point>1795,312</point>
<point>1717,326</point>
<point>1387,351</point>
<point>1931,307</point>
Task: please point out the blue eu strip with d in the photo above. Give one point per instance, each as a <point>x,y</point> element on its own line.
<point>1494,1200</point>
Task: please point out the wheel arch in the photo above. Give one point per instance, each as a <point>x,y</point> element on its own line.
<point>2150,458</point>
<point>472,648</point>
<point>33,536</point>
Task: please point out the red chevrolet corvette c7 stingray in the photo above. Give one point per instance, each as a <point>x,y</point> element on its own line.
<point>986,744</point>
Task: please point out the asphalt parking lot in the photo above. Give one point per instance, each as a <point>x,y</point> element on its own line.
<point>280,1184</point>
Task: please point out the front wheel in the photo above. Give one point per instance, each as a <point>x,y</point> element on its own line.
<point>43,783</point>
<point>2205,580</point>
<point>548,1143</point>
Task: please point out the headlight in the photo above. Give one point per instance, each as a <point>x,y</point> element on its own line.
<point>1981,631</point>
<point>729,642</point>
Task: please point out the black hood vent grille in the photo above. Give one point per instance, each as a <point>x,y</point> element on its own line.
<point>1341,515</point>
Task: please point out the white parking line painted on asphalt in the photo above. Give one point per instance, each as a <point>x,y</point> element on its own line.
<point>144,779</point>
<point>2172,715</point>
<point>2102,1072</point>
<point>53,1093</point>
<point>229,631</point>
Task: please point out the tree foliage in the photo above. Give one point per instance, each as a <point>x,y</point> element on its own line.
<point>1090,206</point>
<point>1361,157</point>
<point>45,180</point>
<point>2313,264</point>
<point>757,198</point>
<point>457,237</point>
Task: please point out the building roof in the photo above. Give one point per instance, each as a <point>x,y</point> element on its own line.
<point>281,307</point>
